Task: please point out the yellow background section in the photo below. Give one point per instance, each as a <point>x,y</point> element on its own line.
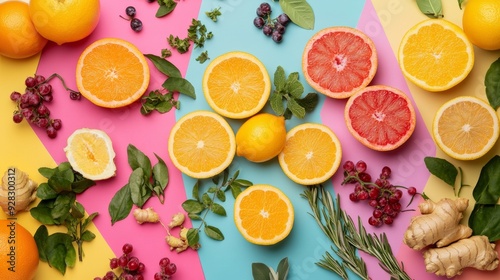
<point>396,18</point>
<point>21,147</point>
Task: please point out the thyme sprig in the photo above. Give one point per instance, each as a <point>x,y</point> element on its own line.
<point>341,230</point>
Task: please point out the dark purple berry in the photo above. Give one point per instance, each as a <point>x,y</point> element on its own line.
<point>130,11</point>
<point>259,22</point>
<point>14,96</point>
<point>267,30</point>
<point>280,28</point>
<point>277,37</point>
<point>136,24</point>
<point>30,82</point>
<point>158,276</point>
<point>264,10</point>
<point>283,19</point>
<point>27,113</point>
<point>25,99</point>
<point>75,95</point>
<point>122,261</point>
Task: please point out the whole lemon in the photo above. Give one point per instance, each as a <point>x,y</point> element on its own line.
<point>18,252</point>
<point>65,21</point>
<point>481,23</point>
<point>261,137</point>
<point>18,36</point>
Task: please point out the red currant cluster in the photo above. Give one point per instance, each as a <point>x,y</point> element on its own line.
<point>131,267</point>
<point>381,194</point>
<point>30,104</point>
<point>167,269</point>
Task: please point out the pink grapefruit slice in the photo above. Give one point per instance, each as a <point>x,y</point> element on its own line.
<point>380,117</point>
<point>338,61</point>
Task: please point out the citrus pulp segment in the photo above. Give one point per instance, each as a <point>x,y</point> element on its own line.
<point>338,61</point>
<point>380,117</point>
<point>263,214</point>
<point>112,73</point>
<point>17,33</point>
<point>236,85</point>
<point>261,137</point>
<point>311,155</point>
<point>465,128</point>
<point>201,144</point>
<point>435,55</point>
<point>90,152</point>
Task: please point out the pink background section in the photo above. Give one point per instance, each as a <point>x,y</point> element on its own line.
<point>126,126</point>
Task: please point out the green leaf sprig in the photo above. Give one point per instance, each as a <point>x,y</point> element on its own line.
<point>492,84</point>
<point>163,100</point>
<point>165,8</point>
<point>58,206</point>
<point>197,34</point>
<point>445,171</point>
<point>286,99</point>
<point>342,231</point>
<point>431,8</point>
<point>214,14</point>
<point>201,204</point>
<point>144,182</point>
<point>261,271</point>
<point>299,12</point>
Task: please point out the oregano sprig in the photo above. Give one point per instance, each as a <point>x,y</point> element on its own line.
<point>286,99</point>
<point>203,203</point>
<point>165,7</point>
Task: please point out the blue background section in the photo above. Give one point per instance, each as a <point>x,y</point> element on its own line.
<point>232,258</point>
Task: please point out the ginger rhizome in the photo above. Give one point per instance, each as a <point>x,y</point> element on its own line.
<point>439,224</point>
<point>147,215</point>
<point>17,191</point>
<point>449,261</point>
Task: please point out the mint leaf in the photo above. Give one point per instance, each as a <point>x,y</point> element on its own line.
<point>431,8</point>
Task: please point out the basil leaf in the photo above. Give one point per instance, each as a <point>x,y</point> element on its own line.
<point>46,172</point>
<point>45,191</point>
<point>299,12</point>
<point>62,205</point>
<point>442,169</point>
<point>213,233</point>
<point>192,206</point>
<point>120,205</point>
<point>181,85</point>
<point>56,255</point>
<point>41,236</point>
<point>485,220</point>
<point>136,186</point>
<point>82,185</point>
<point>431,8</point>
<point>492,83</point>
<point>59,184</point>
<point>283,268</point>
<point>87,236</point>
<point>160,173</point>
<point>261,271</point>
<point>89,219</point>
<point>487,189</point>
<point>164,66</point>
<point>77,210</point>
<point>137,159</point>
<point>42,214</point>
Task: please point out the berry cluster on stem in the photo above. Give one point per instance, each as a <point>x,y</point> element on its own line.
<point>381,195</point>
<point>271,27</point>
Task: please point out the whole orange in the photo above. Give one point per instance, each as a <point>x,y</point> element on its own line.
<point>18,252</point>
<point>481,23</point>
<point>65,21</point>
<point>17,33</point>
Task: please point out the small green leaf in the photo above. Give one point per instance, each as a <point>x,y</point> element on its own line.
<point>87,236</point>
<point>43,215</point>
<point>47,172</point>
<point>279,78</point>
<point>45,191</point>
<point>300,12</point>
<point>487,189</point>
<point>221,195</point>
<point>166,7</point>
<point>193,236</point>
<point>137,159</point>
<point>431,8</point>
<point>261,271</point>
<point>194,216</point>
<point>164,66</point>
<point>213,232</point>
<point>41,236</point>
<point>206,200</point>
<point>283,268</point>
<point>235,190</point>
<point>492,83</point>
<point>136,186</point>
<point>196,190</point>
<point>218,209</point>
<point>59,184</point>
<point>485,220</point>
<point>309,102</point>
<point>297,110</point>
<point>79,186</point>
<point>192,206</point>
<point>181,85</point>
<point>121,205</point>
<point>276,103</point>
<point>62,205</point>
<point>442,169</point>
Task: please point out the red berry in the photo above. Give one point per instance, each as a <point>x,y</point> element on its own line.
<point>363,195</point>
<point>361,166</point>
<point>158,276</point>
<point>412,191</point>
<point>30,82</point>
<point>388,220</point>
<point>374,221</point>
<point>14,96</point>
<point>164,262</point>
<point>113,263</point>
<point>122,261</point>
<point>57,124</point>
<point>170,269</point>
<point>141,267</point>
<point>353,197</point>
<point>373,203</point>
<point>51,132</point>
<point>39,79</point>
<point>377,213</point>
<point>348,166</point>
<point>45,89</point>
<point>138,277</point>
<point>18,117</point>
<point>365,177</point>
<point>133,264</point>
<point>127,248</point>
<point>386,172</point>
<point>374,193</point>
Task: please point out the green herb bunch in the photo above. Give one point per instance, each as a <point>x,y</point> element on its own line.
<point>58,206</point>
<point>286,99</point>
<point>163,100</point>
<point>197,34</point>
<point>144,182</point>
<point>201,204</point>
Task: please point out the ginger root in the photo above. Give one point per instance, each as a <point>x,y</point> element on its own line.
<point>147,215</point>
<point>17,191</point>
<point>475,251</point>
<point>439,224</point>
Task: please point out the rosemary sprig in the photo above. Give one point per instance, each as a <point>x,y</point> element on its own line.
<point>341,230</point>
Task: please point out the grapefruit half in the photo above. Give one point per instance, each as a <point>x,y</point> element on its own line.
<point>380,117</point>
<point>338,61</point>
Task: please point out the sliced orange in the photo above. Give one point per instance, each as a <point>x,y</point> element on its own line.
<point>112,73</point>
<point>380,117</point>
<point>337,61</point>
<point>263,214</point>
<point>236,85</point>
<point>435,55</point>
<point>465,128</point>
<point>311,155</point>
<point>201,144</point>
<point>90,152</point>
